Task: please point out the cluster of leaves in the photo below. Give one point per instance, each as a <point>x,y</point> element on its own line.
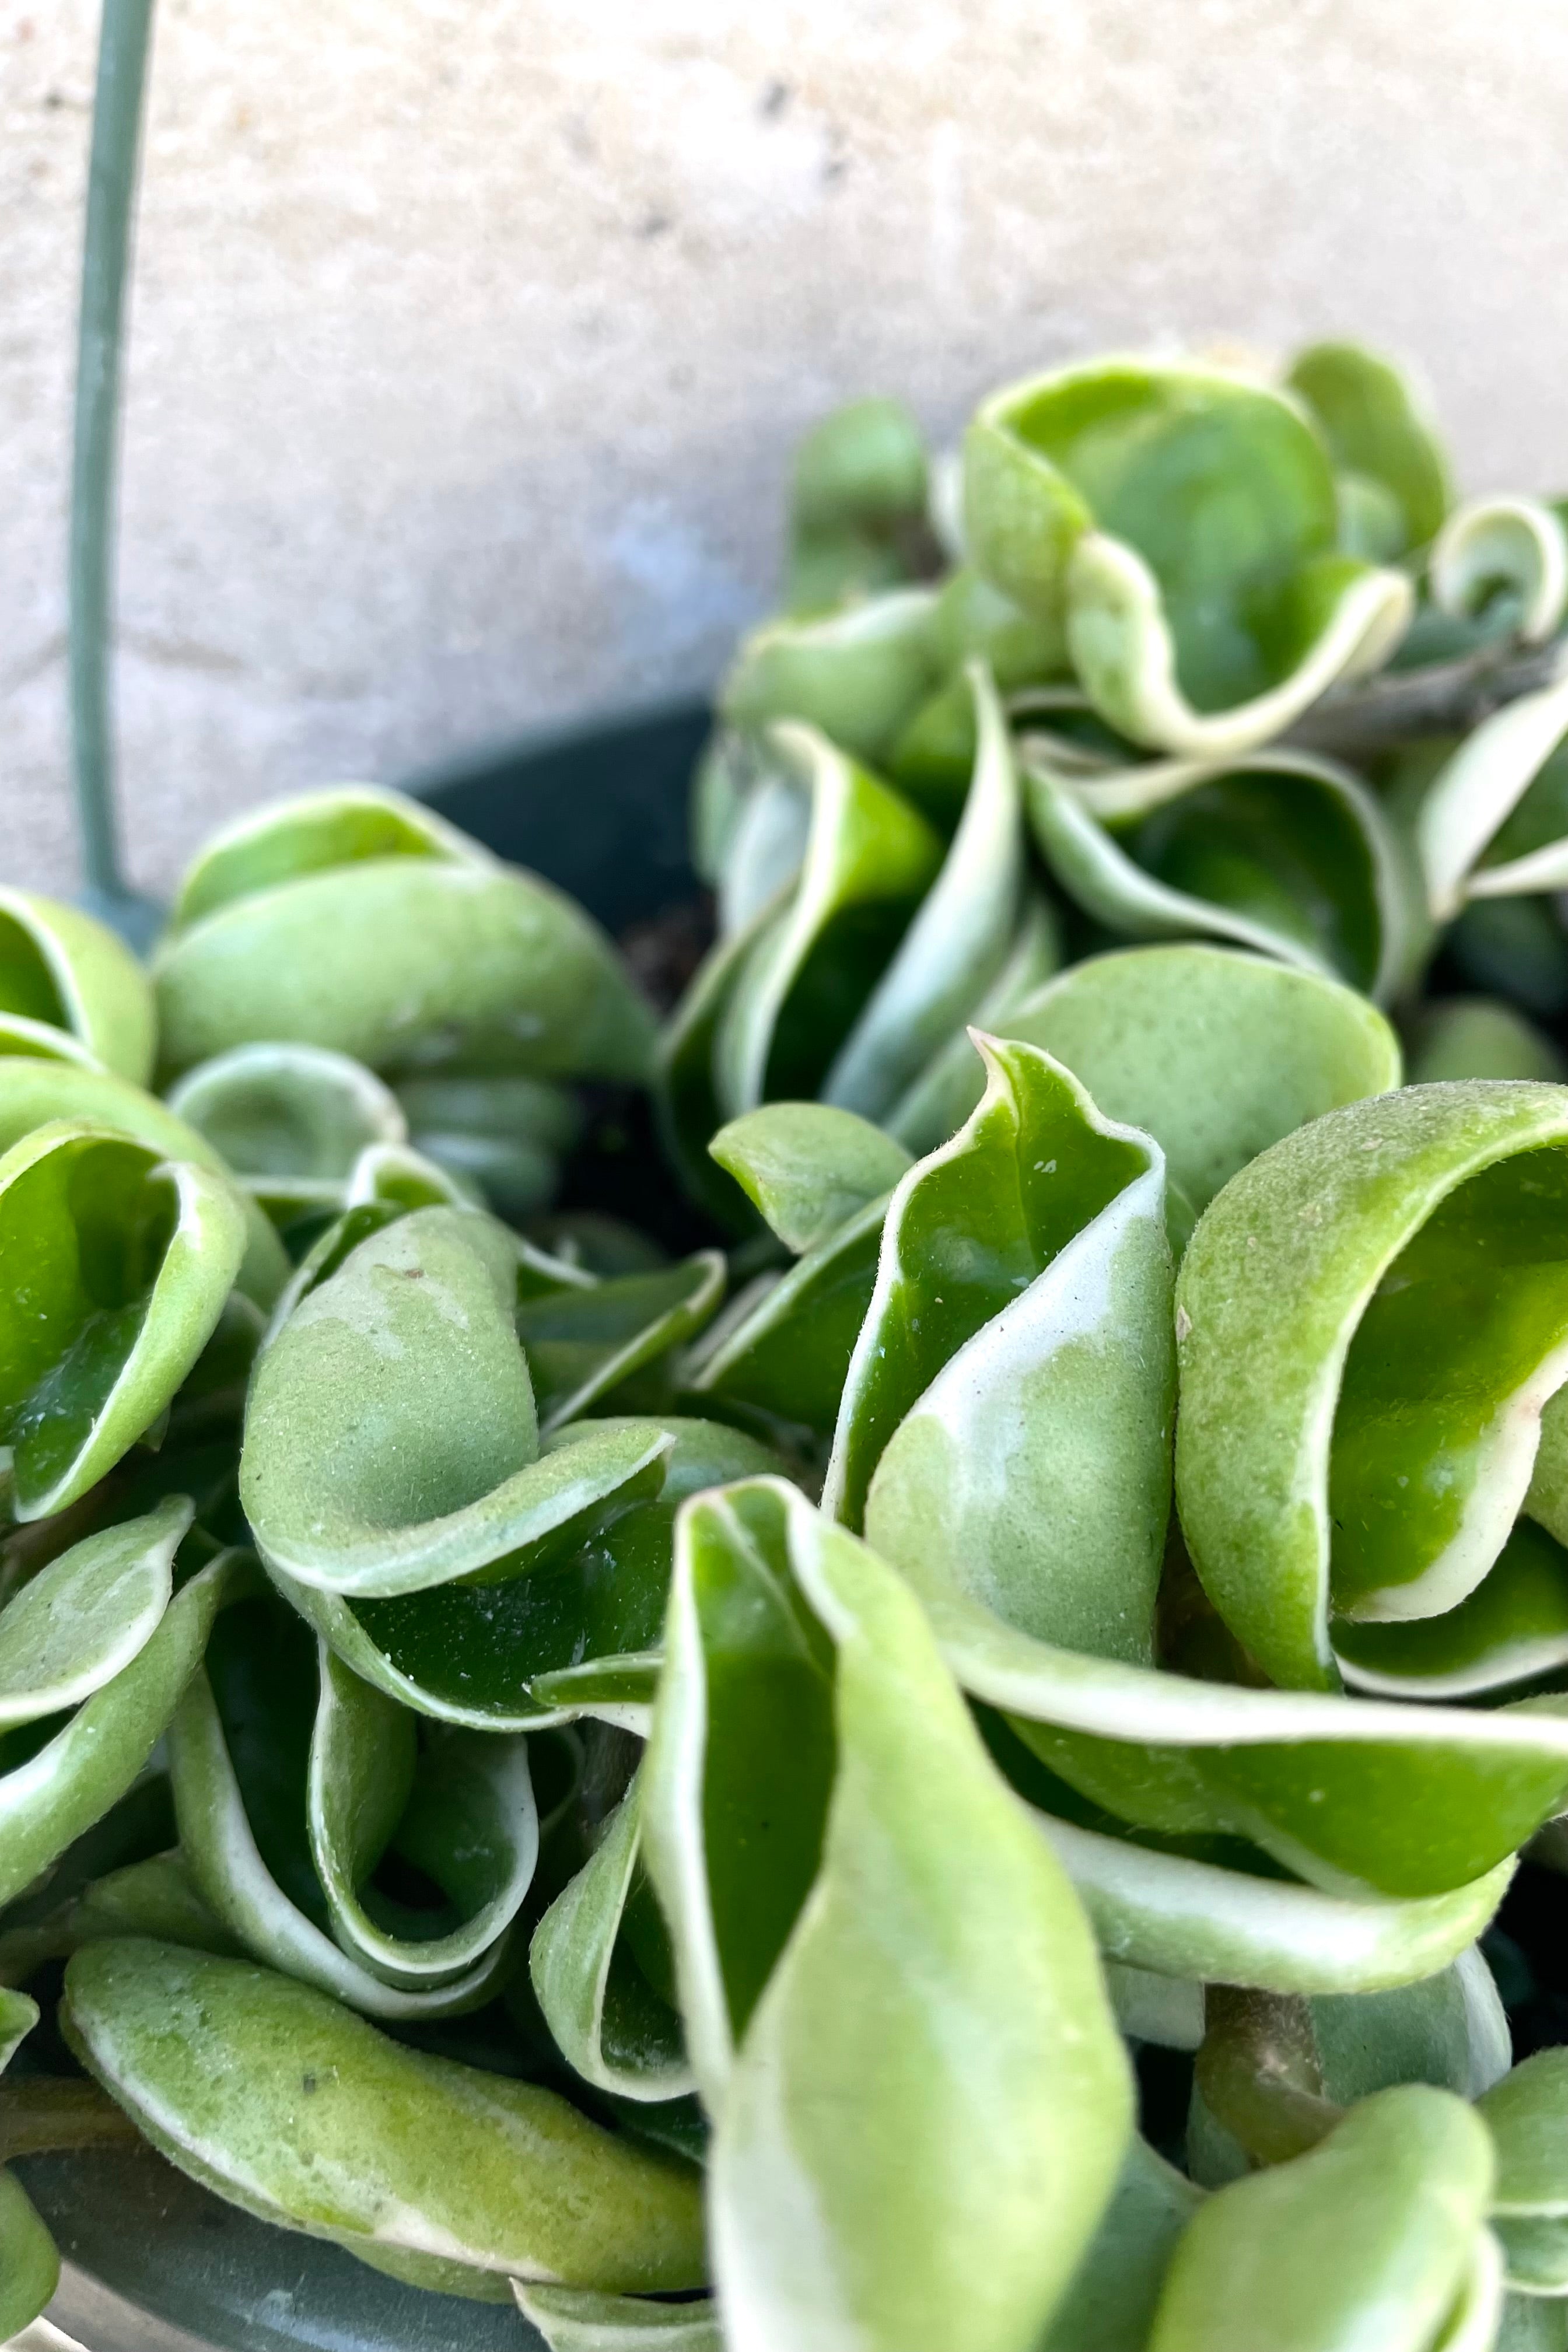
<point>678,1792</point>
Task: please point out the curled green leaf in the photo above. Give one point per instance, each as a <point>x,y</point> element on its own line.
<point>617,2029</point>
<point>290,2106</point>
<point>117,1265</point>
<point>87,1614</point>
<point>1391,1422</point>
<point>33,1092</point>
<point>1503,545</point>
<point>290,1121</point>
<point>1184,522</point>
<point>357,921</point>
<point>795,999</point>
<point>808,1167</point>
<point>1398,2193</point>
<point>1215,1054</point>
<point>1383,440</point>
<point>929,2105</point>
<point>56,1779</point>
<point>577,1633</point>
<point>1494,824</point>
<point>960,940</point>
<point>60,971</point>
<point>391,1442</point>
<point>1280,852</point>
<point>858,674</point>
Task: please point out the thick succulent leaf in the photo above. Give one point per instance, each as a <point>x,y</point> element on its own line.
<point>958,941</point>
<point>389,2150</point>
<point>240,1883</point>
<point>1480,1037</point>
<point>397,1176</point>
<point>1280,852</point>
<point>1527,2114</point>
<point>1110,2301</point>
<point>86,1613</point>
<point>1369,1452</point>
<point>766,848</point>
<point>391,1442</point>
<point>578,1634</point>
<point>114,1267</point>
<point>29,1040</point>
<point>400,959</point>
<point>808,1167</point>
<point>313,833</point>
<point>1511,545</point>
<point>968,1230</point>
<point>858,674</point>
<point>1380,431</point>
<point>949,1085</point>
<point>575,2319</point>
<point>1488,782</point>
<point>1293,1772</point>
<point>52,1792</point>
<point>1214,1054</point>
<point>788,1353</point>
<point>971,620</point>
<point>857,508</point>
<point>608,2022</point>
<point>1183,521</point>
<point>1041,1450</point>
<point>1513,1628</point>
<point>686,1087</point>
<point>62,969</point>
<point>739,1764</point>
<point>156,1897</point>
<point>585,1344</point>
<point>461,1810</point>
<point>1191,1918</point>
<point>930,2106</point>
<point>1369,2239</point>
<point>1154,676</point>
<point>29,2261</point>
<point>33,1092</point>
<point>290,1120</point>
<point>869,860</point>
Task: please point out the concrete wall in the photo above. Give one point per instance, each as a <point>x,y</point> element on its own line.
<point>470,337</point>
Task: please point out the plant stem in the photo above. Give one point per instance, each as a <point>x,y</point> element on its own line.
<point>1444,699</point>
<point>42,2114</point>
<point>112,184</point>
<point>1259,2074</point>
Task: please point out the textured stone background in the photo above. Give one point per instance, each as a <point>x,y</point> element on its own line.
<point>470,337</point>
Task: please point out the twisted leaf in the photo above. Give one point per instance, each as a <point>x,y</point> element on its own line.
<point>63,971</point>
<point>858,674</point>
<point>29,2260</point>
<point>869,860</point>
<point>572,2319</point>
<point>56,1781</point>
<point>391,1442</point>
<point>86,1615</point>
<point>1516,546</point>
<point>292,2107</point>
<point>1495,821</point>
<point>357,921</point>
<point>1398,2192</point>
<point>1391,1422</point>
<point>1184,523</point>
<point>1282,853</point>
<point>290,1120</point>
<point>577,1633</point>
<point>114,1267</point>
<point>1390,463</point>
<point>1215,1055</point>
<point>808,1168</point>
<point>928,2105</point>
<point>609,2021</point>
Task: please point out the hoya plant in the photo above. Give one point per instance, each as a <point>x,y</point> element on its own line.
<point>953,1736</point>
